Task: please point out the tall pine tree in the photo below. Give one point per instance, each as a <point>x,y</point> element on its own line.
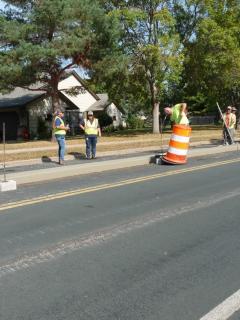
<point>40,40</point>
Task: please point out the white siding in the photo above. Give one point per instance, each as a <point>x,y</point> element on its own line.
<point>112,111</point>
<point>83,100</point>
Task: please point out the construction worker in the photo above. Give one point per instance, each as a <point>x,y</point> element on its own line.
<point>234,111</point>
<point>178,114</point>
<point>60,130</point>
<point>228,126</point>
<point>92,131</point>
<point>179,142</point>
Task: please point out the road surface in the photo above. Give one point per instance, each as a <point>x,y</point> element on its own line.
<point>153,242</point>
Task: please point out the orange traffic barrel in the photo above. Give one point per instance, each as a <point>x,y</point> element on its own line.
<point>178,145</point>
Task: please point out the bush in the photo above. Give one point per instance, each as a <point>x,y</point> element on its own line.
<point>43,130</point>
<point>109,129</point>
<point>134,122</point>
<point>104,120</point>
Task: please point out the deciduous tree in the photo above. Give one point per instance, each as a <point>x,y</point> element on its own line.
<point>150,42</point>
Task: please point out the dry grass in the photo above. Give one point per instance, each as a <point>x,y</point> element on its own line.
<point>106,143</point>
<point>115,138</point>
<point>77,151</point>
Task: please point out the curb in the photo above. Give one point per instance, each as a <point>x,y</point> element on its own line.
<point>95,167</point>
<point>100,154</point>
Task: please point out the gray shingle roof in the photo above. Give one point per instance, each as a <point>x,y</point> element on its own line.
<point>19,97</point>
<point>101,104</point>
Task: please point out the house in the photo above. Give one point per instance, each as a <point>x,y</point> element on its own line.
<point>31,111</point>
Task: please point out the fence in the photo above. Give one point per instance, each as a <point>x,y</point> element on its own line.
<point>202,120</point>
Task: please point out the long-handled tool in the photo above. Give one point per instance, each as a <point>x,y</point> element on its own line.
<point>161,154</point>
<point>224,122</point>
<point>161,132</point>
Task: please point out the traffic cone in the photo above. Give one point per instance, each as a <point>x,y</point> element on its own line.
<point>178,145</point>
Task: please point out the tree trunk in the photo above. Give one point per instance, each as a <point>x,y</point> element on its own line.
<point>155,108</point>
<point>156,117</point>
<point>53,84</point>
<point>55,101</point>
<point>55,107</point>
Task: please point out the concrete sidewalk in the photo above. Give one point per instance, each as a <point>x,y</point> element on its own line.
<point>100,154</point>
<point>83,168</point>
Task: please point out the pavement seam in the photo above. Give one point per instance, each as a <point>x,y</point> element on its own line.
<point>106,234</point>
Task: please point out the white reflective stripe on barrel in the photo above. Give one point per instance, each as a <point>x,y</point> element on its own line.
<point>178,152</point>
<point>177,138</point>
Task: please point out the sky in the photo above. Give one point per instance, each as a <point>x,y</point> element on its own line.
<point>1,4</point>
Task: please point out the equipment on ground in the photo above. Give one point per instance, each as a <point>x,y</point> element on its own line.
<point>158,157</point>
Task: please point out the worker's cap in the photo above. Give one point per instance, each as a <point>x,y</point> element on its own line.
<point>90,113</point>
<point>168,111</point>
<point>229,108</point>
<point>234,109</point>
<point>58,111</point>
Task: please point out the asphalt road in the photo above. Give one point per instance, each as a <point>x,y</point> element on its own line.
<point>149,243</point>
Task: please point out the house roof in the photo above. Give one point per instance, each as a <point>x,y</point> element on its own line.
<point>101,104</point>
<point>19,97</point>
<point>85,100</point>
<point>83,83</point>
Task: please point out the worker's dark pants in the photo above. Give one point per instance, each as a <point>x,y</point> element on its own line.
<point>91,144</point>
<point>226,138</point>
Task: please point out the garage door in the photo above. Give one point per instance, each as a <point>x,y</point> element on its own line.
<point>11,123</point>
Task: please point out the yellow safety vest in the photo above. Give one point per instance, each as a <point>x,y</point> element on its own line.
<point>91,128</point>
<point>58,130</point>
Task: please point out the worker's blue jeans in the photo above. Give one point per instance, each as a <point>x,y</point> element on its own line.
<point>61,146</point>
<point>91,144</point>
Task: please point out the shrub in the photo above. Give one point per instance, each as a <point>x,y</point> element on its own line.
<point>104,119</point>
<point>134,122</point>
<point>43,130</point>
<point>109,129</point>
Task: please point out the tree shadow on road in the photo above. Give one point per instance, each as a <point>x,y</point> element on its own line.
<point>46,159</point>
<point>78,155</point>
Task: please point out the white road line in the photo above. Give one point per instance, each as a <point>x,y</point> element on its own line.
<point>226,309</point>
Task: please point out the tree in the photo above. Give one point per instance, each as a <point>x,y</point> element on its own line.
<point>152,46</point>
<point>188,14</point>
<point>41,40</point>
<point>213,63</point>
